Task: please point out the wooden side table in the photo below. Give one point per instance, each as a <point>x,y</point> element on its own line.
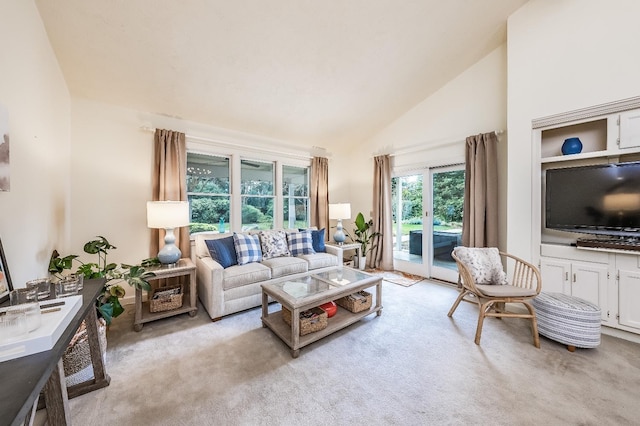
<point>348,246</point>
<point>184,267</point>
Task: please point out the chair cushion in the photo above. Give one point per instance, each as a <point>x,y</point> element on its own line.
<point>506,290</point>
<point>223,251</point>
<point>300,243</point>
<point>274,244</point>
<point>483,263</point>
<point>247,248</point>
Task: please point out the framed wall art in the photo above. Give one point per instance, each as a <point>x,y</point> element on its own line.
<point>5,278</point>
<point>5,182</point>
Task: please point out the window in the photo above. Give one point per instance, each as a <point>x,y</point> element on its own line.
<point>235,193</point>
<point>257,193</point>
<point>208,192</point>
<point>295,194</point>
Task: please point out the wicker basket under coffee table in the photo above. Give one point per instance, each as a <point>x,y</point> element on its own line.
<point>311,291</point>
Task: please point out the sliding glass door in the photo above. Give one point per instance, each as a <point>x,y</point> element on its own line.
<point>407,193</point>
<point>447,193</point>
<point>427,221</point>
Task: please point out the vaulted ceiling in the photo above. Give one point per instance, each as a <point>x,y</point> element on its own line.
<point>313,72</point>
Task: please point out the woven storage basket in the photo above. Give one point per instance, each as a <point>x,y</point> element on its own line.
<point>166,303</point>
<point>356,302</point>
<point>77,356</point>
<point>308,325</point>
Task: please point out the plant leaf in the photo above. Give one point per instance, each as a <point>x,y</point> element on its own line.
<point>106,311</point>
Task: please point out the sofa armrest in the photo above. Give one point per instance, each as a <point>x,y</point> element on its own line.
<point>210,275</point>
<point>336,251</point>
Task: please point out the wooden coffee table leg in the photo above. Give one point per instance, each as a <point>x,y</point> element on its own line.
<point>295,353</point>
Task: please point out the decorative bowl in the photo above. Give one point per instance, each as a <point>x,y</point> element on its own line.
<point>330,308</point>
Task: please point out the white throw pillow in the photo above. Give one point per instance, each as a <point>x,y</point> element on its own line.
<point>274,244</point>
<point>483,263</point>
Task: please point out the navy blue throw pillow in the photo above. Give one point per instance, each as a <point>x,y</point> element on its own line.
<point>223,251</point>
<point>317,240</point>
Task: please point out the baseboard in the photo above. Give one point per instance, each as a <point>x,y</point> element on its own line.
<point>621,334</point>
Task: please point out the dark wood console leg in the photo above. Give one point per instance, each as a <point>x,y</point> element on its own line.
<point>100,377</point>
<point>56,398</point>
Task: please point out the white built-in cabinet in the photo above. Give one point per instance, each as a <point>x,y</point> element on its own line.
<point>608,278</point>
<point>587,279</point>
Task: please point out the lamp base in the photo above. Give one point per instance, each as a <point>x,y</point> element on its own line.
<point>170,253</point>
<point>339,236</point>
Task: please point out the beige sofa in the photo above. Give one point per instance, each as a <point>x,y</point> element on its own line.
<point>224,291</point>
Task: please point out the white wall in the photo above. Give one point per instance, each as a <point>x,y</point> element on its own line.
<point>562,56</point>
<point>472,103</point>
<point>34,215</point>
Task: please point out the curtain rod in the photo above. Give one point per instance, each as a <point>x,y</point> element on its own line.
<point>424,146</point>
<point>235,145</point>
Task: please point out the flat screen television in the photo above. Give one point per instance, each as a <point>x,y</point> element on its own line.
<point>601,199</point>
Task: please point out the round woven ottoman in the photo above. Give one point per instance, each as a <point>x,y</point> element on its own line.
<point>569,320</point>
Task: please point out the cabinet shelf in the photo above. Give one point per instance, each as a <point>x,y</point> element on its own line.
<point>592,134</point>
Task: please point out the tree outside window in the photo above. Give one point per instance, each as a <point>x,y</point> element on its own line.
<point>295,193</point>
<point>257,193</point>
<point>208,192</point>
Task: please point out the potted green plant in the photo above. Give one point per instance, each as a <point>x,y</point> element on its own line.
<point>363,234</point>
<point>108,304</point>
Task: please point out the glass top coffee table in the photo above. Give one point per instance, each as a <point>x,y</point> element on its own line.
<point>303,293</point>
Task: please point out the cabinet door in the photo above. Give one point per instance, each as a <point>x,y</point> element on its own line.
<point>630,129</point>
<point>629,298</point>
<point>555,275</point>
<point>589,282</point>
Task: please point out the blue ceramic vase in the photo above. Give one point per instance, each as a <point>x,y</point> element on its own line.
<point>571,146</point>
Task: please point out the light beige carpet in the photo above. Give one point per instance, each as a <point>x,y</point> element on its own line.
<point>413,365</point>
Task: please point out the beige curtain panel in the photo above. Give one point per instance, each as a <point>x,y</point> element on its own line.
<point>480,215</point>
<point>319,194</point>
<point>170,183</point>
<point>382,254</point>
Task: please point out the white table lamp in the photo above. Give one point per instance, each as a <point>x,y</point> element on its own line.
<point>339,211</point>
<point>168,215</point>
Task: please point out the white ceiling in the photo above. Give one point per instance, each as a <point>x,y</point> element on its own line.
<point>308,71</point>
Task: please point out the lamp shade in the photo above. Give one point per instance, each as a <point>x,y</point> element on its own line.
<point>340,211</point>
<point>167,214</point>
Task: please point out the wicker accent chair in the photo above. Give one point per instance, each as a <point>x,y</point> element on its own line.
<point>482,277</point>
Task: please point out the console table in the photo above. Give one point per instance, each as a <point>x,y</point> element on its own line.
<point>23,378</point>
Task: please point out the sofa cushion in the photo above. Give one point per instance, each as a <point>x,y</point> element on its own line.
<point>300,243</point>
<point>239,275</point>
<point>317,239</point>
<point>223,251</point>
<point>281,266</point>
<point>273,244</point>
<point>319,260</point>
<point>247,248</point>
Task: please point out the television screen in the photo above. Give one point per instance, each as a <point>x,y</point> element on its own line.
<point>602,199</point>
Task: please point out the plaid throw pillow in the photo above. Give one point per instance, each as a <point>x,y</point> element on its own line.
<point>317,236</point>
<point>300,243</point>
<point>247,248</point>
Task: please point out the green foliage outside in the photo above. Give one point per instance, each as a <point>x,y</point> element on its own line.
<point>448,190</point>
